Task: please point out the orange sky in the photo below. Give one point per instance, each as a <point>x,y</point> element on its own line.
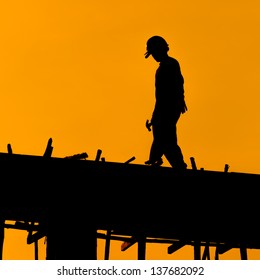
<point>75,71</point>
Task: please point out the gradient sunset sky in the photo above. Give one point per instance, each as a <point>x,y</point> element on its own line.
<point>75,71</point>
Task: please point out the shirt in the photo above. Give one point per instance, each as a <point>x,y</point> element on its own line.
<point>169,90</point>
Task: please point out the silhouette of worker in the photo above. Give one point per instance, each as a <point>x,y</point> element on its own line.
<point>169,105</point>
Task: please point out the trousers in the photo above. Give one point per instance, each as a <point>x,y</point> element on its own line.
<point>165,142</point>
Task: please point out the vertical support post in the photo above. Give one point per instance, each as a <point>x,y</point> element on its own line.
<point>2,234</point>
<point>65,242</point>
<point>206,253</point>
<point>217,252</point>
<point>107,244</point>
<point>197,250</point>
<point>243,252</point>
<point>36,251</point>
<point>29,238</point>
<point>141,250</point>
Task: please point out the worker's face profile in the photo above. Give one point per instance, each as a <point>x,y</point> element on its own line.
<point>157,55</point>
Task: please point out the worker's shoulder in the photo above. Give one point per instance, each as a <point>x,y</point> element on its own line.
<point>173,61</point>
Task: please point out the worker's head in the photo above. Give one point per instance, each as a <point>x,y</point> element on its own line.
<point>157,47</point>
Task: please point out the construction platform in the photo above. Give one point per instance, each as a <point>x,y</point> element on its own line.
<point>70,200</point>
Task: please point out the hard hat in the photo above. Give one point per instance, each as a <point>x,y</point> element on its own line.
<point>154,43</point>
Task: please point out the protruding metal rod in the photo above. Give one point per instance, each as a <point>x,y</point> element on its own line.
<point>226,168</point>
<point>193,163</point>
<point>99,152</point>
<point>9,149</point>
<point>49,149</point>
<point>130,160</point>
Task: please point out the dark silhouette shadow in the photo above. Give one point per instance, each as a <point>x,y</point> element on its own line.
<point>24,225</point>
<point>169,105</point>
<point>68,201</point>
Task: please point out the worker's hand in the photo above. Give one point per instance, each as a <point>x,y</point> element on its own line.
<point>148,125</point>
<point>184,107</point>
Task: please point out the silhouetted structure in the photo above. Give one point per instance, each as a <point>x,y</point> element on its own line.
<point>70,200</point>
